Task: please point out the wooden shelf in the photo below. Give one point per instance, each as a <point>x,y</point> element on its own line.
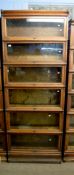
<point>35,108</point>
<point>35,131</point>
<point>34,152</point>
<point>34,85</point>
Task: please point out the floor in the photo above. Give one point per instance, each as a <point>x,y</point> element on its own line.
<point>36,169</point>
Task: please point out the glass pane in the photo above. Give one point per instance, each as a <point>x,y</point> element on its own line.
<point>34,97</point>
<point>35,74</point>
<point>71,120</point>
<point>0,55</point>
<point>72,33</point>
<point>35,52</point>
<point>73,57</point>
<point>1,117</point>
<point>0,79</point>
<point>35,27</point>
<point>29,119</point>
<point>1,141</point>
<point>34,140</point>
<point>73,81</point>
<point>72,101</point>
<point>1,100</point>
<point>71,140</point>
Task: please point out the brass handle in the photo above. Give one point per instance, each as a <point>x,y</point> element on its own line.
<point>7,70</point>
<point>59,51</point>
<point>58,25</point>
<point>50,139</point>
<point>58,91</point>
<point>60,30</point>
<point>58,72</point>
<point>49,115</point>
<point>9,45</point>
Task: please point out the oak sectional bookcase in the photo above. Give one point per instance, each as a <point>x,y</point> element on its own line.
<point>69,141</point>
<point>2,130</point>
<point>34,64</point>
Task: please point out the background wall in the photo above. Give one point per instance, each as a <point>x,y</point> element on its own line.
<point>38,4</point>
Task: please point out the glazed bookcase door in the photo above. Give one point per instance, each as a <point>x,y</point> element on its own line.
<point>33,53</point>
<point>71,81</point>
<point>71,64</point>
<point>45,75</point>
<point>70,121</point>
<point>34,143</point>
<point>71,37</point>
<point>37,74</point>
<point>1,121</point>
<point>71,101</point>
<point>2,144</point>
<point>34,119</point>
<point>0,80</point>
<point>34,97</point>
<point>69,146</point>
<point>70,142</point>
<point>1,100</point>
<point>34,28</point>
